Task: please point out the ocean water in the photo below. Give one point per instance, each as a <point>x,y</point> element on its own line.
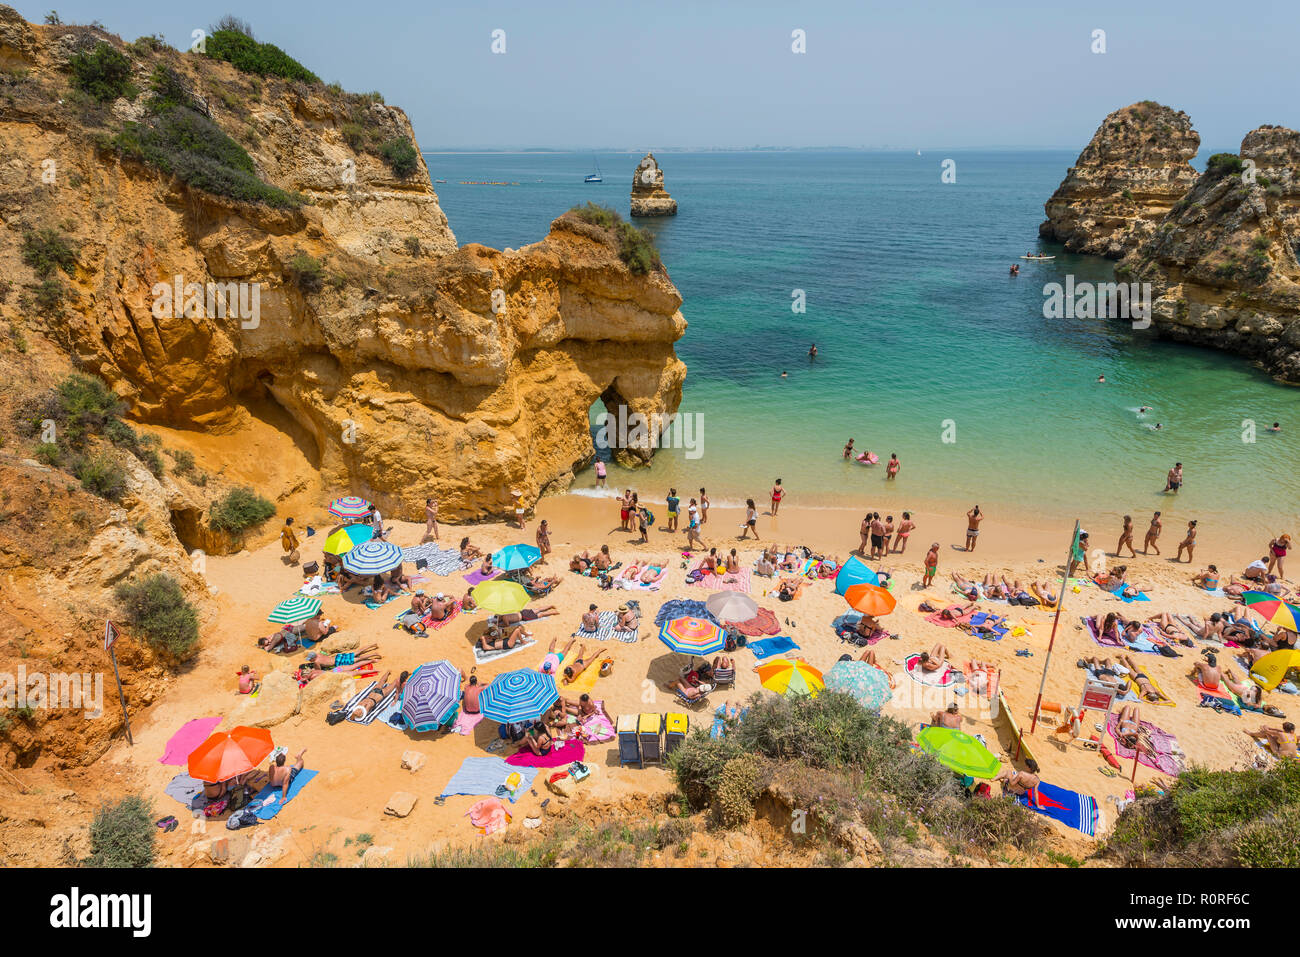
<point>922,337</point>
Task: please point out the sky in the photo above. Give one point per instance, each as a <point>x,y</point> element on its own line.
<point>662,74</point>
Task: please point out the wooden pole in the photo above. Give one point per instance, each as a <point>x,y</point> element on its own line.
<point>1136,752</point>
<point>110,641</point>
<point>1060,604</point>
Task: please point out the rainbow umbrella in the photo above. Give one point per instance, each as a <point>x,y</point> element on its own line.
<point>518,696</point>
<point>430,694</point>
<point>345,539</point>
<point>692,636</point>
<point>791,677</point>
<point>870,599</point>
<point>868,685</point>
<point>514,557</point>
<point>958,751</point>
<point>1272,609</point>
<point>293,610</point>
<point>373,558</point>
<point>500,597</point>
<point>349,506</point>
<point>228,753</point>
<point>1270,671</point>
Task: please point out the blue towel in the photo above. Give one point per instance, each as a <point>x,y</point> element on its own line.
<point>683,608</point>
<point>1225,704</point>
<point>766,647</point>
<point>1071,808</point>
<point>265,813</point>
<point>482,775</point>
<point>1119,593</point>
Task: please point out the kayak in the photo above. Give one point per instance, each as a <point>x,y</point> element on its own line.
<point>868,458</point>
<point>1037,257</point>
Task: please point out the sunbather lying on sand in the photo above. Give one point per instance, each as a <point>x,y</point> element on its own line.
<point>646,574</point>
<point>1250,693</point>
<point>528,614</point>
<point>966,587</point>
<point>1104,670</point>
<point>342,659</point>
<point>1165,624</point>
<point>377,694</point>
<point>1280,743</point>
<point>282,642</point>
<point>1146,688</point>
<point>317,628</point>
<point>538,584</point>
<point>1043,593</point>
<point>495,638</point>
<point>983,678</point>
<point>1019,783</point>
<point>551,663</point>
<point>1128,726</point>
<point>957,612</point>
<point>1116,580</point>
<point>580,664</point>
<point>936,659</point>
<point>788,588</point>
<point>1234,588</point>
<point>949,718</point>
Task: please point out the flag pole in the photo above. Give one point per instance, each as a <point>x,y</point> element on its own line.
<point>1060,604</point>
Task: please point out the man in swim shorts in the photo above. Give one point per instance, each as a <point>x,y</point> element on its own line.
<point>931,565</point>
<point>673,503</point>
<point>1174,481</point>
<point>973,519</point>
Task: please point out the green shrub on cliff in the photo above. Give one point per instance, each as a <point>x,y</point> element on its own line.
<point>103,73</point>
<point>400,156</point>
<point>1223,164</point>
<point>238,510</point>
<point>636,247</point>
<point>45,250</point>
<point>156,608</point>
<point>123,835</point>
<point>264,59</point>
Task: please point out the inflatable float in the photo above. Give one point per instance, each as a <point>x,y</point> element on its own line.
<point>868,458</point>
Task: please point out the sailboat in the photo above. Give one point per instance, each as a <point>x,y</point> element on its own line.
<point>594,177</point>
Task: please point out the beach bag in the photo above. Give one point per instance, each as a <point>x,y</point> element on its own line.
<point>311,568</point>
<point>729,642</point>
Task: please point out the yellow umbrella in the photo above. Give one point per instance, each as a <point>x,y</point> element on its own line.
<point>791,677</point>
<point>1270,670</point>
<point>500,597</point>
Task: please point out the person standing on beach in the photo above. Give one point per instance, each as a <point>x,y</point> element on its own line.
<point>889,534</point>
<point>931,565</point>
<point>643,524</point>
<point>848,450</point>
<point>543,541</point>
<point>778,493</point>
<point>877,536</point>
<point>693,526</point>
<point>751,520</point>
<point>1189,542</point>
<point>673,503</point>
<point>1153,533</point>
<point>289,542</point>
<point>430,519</point>
<point>704,507</point>
<point>891,470</point>
<point>625,511</point>
<point>1174,481</point>
<point>1126,538</point>
<point>1277,550</point>
<point>905,528</point>
<point>600,473</point>
<point>973,519</point>
<point>519,509</point>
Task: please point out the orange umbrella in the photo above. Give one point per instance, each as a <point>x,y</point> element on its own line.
<point>870,599</point>
<point>228,753</point>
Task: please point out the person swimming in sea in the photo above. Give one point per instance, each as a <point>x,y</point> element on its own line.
<point>784,374</point>
<point>812,351</point>
<point>1015,269</point>
<point>848,449</point>
<point>1144,410</point>
<point>1277,427</point>
<point>1101,379</point>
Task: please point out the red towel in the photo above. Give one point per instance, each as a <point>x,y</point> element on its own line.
<point>764,623</point>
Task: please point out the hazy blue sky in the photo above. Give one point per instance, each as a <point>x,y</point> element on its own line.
<point>961,73</point>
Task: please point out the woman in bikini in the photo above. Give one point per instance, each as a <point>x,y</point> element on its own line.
<point>1128,726</point>
<point>1126,538</point>
<point>1145,686</point>
<point>375,695</point>
<point>905,528</point>
<point>580,664</point>
<point>778,493</point>
<point>495,638</point>
<point>1208,579</point>
<point>936,659</point>
<point>537,740</point>
<point>1189,542</point>
<point>967,588</point>
<point>733,563</point>
<point>1043,593</point>
<point>1107,627</point>
<point>468,552</point>
<point>1277,550</point>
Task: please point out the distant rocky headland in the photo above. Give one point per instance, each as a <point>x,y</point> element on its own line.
<point>1219,249</point>
<point>649,198</point>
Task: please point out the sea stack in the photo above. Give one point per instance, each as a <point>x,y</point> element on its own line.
<point>1132,172</point>
<point>1222,265</point>
<point>649,198</point>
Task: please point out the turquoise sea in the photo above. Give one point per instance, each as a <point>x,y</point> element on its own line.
<point>916,322</point>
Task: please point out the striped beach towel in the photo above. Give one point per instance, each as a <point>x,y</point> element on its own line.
<point>482,656</point>
<point>936,679</point>
<point>604,629</point>
<point>1079,811</point>
<point>440,561</point>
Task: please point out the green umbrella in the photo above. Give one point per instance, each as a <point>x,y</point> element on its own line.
<point>293,610</point>
<point>960,752</point>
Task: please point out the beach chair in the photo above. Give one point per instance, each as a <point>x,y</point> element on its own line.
<point>724,676</point>
<point>648,728</point>
<point>629,748</point>
<point>691,702</point>
<point>676,725</point>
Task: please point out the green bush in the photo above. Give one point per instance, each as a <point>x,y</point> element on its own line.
<point>400,156</point>
<point>169,90</point>
<point>103,73</point>
<point>307,272</point>
<point>157,609</point>
<point>263,59</point>
<point>182,461</point>
<point>738,787</point>
<point>238,510</point>
<point>123,835</point>
<point>101,475</point>
<point>46,251</point>
<point>1223,164</point>
<point>636,247</point>
<point>49,296</point>
<point>1271,841</point>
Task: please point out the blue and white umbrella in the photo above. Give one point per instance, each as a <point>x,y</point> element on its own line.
<point>865,682</point>
<point>513,557</point>
<point>372,558</point>
<point>430,695</point>
<point>518,696</point>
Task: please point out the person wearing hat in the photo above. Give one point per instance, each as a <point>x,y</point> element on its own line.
<point>627,619</point>
<point>289,541</point>
<point>440,606</point>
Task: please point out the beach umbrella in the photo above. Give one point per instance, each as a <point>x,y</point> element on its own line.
<point>868,685</point>
<point>430,694</point>
<point>1272,609</point>
<point>870,599</point>
<point>343,540</point>
<point>692,636</point>
<point>372,558</point>
<point>500,597</point>
<point>958,751</point>
<point>854,572</point>
<point>518,696</point>
<point>791,677</point>
<point>293,610</point>
<point>349,506</point>
<point>513,557</point>
<point>1270,671</point>
<point>731,606</point>
<point>228,753</point>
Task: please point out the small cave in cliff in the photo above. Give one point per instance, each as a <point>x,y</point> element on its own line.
<point>617,432</point>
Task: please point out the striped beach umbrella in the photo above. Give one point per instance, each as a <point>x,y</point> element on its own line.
<point>343,540</point>
<point>228,753</point>
<point>513,557</point>
<point>500,597</point>
<point>870,599</point>
<point>958,751</point>
<point>349,507</point>
<point>1273,609</point>
<point>692,636</point>
<point>430,694</point>
<point>868,685</point>
<point>293,610</point>
<point>372,558</point>
<point>791,677</point>
<point>731,606</point>
<point>518,696</point>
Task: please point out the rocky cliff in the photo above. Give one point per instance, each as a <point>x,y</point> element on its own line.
<point>1223,264</point>
<point>1132,172</point>
<point>649,198</point>
<point>411,367</point>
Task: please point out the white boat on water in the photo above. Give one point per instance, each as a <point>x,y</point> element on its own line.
<point>594,177</point>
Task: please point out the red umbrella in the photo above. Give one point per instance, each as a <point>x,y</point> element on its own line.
<point>228,753</point>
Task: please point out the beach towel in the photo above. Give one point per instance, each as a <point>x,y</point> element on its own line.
<point>720,717</point>
<point>482,656</point>
<point>727,581</point>
<point>440,561</point>
<point>1109,641</point>
<point>562,754</point>
<point>627,584</point>
<point>604,628</point>
<point>482,775</point>
<point>1137,691</point>
<point>1071,808</point>
<point>182,744</point>
<point>962,619</point>
<point>988,626</point>
<point>598,727</point>
<point>465,723</point>
<point>683,608</point>
<point>767,647</point>
<point>585,681</point>
<point>1165,746</point>
<point>1140,596</point>
<point>992,676</point>
<point>187,790</point>
<point>270,800</point>
<point>372,604</point>
<point>315,587</point>
<point>764,623</point>
<point>936,679</point>
<point>452,612</point>
<point>477,578</point>
<point>489,816</point>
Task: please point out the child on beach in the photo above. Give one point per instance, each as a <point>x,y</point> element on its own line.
<point>931,565</point>
<point>848,450</point>
<point>751,520</point>
<point>248,682</point>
